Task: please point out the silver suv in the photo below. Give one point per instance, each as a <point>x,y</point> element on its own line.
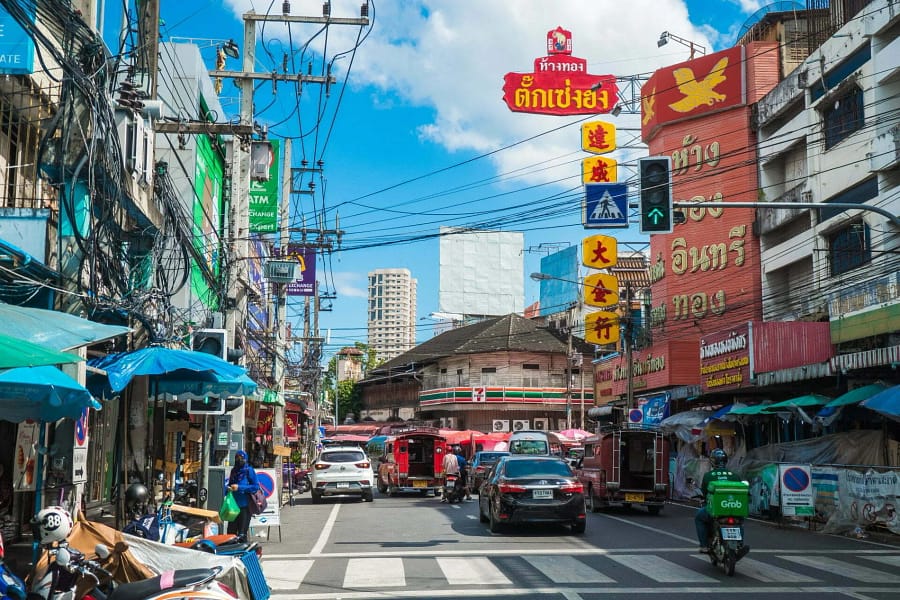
<point>342,471</point>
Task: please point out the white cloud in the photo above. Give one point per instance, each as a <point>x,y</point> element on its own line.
<point>350,285</point>
<point>451,56</point>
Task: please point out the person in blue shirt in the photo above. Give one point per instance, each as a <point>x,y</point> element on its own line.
<point>463,470</point>
<point>242,482</point>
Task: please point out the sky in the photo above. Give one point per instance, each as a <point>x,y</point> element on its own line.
<point>415,134</point>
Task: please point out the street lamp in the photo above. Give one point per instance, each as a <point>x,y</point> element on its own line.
<point>665,36</point>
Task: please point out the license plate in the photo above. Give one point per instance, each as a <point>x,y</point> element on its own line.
<point>731,533</point>
<point>634,497</point>
<point>420,484</point>
<point>343,484</point>
<point>542,494</point>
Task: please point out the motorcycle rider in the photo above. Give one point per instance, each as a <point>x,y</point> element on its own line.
<point>450,465</point>
<point>719,472</point>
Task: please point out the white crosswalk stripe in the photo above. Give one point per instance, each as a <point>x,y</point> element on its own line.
<point>660,569</point>
<point>844,569</point>
<point>761,571</point>
<point>476,570</point>
<point>286,574</point>
<point>567,569</point>
<point>374,572</point>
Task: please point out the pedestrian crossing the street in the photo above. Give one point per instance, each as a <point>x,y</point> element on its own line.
<point>648,569</point>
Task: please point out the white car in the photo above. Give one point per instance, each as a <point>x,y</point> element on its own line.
<point>342,471</point>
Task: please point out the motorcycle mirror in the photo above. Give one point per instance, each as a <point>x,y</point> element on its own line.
<point>102,551</point>
<point>63,557</point>
<point>202,495</point>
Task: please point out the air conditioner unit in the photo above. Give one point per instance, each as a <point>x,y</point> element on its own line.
<point>500,425</point>
<point>521,424</point>
<point>542,424</point>
<point>560,424</point>
<point>211,341</point>
<point>450,422</point>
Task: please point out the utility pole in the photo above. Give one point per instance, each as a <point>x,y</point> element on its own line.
<point>629,328</point>
<point>570,317</point>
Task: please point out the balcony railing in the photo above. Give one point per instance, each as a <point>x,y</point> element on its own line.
<point>773,218</point>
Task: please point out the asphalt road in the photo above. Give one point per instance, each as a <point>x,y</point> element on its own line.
<point>415,547</point>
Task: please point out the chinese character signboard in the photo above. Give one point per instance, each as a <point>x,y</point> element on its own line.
<point>601,327</point>
<point>264,198</point>
<point>598,169</point>
<point>598,137</point>
<point>601,290</point>
<point>560,83</point>
<point>690,89</point>
<point>305,284</point>
<point>599,251</point>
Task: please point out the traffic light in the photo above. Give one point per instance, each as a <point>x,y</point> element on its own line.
<point>655,205</point>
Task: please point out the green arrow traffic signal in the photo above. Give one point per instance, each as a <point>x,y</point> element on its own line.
<point>655,201</point>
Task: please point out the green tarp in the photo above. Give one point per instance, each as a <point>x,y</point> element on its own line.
<point>858,395</point>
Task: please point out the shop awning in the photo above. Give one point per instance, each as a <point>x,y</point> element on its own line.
<point>53,329</point>
<point>886,403</point>
<point>858,395</point>
<point>756,409</point>
<point>867,358</point>
<point>798,402</point>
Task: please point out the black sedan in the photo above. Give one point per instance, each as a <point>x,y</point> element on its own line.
<point>532,489</point>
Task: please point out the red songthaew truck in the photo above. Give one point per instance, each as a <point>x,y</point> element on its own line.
<point>625,467</point>
<point>411,461</point>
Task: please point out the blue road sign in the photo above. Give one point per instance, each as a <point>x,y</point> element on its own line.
<point>795,479</point>
<point>605,205</point>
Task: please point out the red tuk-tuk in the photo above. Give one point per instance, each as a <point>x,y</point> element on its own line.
<point>410,461</point>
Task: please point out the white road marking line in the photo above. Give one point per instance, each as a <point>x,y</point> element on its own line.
<point>374,572</point>
<point>660,569</point>
<point>765,572</point>
<point>477,570</point>
<point>893,561</point>
<point>286,574</point>
<point>692,540</point>
<point>326,531</point>
<point>567,569</point>
<point>564,550</point>
<point>839,567</point>
<point>611,591</point>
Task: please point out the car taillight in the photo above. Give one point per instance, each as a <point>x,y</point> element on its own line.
<point>507,488</point>
<point>321,466</point>
<point>362,465</point>
<point>479,469</point>
<point>227,590</point>
<point>572,488</point>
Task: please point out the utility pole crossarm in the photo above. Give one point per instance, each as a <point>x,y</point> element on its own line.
<point>273,76</point>
<point>895,219</point>
<point>300,19</point>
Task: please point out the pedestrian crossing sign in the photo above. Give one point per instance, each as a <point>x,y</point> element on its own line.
<point>605,205</point>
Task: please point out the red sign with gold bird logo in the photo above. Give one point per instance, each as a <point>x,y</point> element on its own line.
<point>693,88</point>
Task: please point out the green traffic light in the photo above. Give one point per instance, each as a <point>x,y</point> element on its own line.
<point>656,215</point>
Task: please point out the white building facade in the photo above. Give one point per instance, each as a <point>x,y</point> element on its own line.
<point>830,133</point>
<point>392,312</point>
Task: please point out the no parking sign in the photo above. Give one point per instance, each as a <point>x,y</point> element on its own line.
<point>796,490</point>
<point>271,517</point>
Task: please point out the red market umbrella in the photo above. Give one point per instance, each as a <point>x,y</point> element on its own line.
<point>575,434</point>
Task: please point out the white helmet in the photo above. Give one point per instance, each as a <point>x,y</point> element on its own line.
<point>53,524</point>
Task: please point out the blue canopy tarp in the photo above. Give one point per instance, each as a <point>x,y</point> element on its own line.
<point>54,329</point>
<point>121,368</point>
<point>886,403</point>
<point>41,394</point>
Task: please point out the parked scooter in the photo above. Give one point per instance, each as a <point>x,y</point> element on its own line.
<point>69,573</point>
<point>11,586</point>
<point>453,488</point>
<point>299,477</point>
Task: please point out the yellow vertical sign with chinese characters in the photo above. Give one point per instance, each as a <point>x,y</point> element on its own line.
<point>598,137</point>
<point>601,327</point>
<point>601,290</point>
<point>599,251</point>
<point>598,169</point>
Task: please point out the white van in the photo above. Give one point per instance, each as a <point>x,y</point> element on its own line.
<point>535,443</point>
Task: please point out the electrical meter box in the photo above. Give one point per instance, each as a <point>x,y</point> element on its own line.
<point>728,499</point>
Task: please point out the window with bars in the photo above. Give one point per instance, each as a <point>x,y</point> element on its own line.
<point>849,248</point>
<point>19,141</point>
<point>843,116</point>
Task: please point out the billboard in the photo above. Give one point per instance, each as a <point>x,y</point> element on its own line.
<point>264,197</point>
<point>207,220</point>
<point>561,291</point>
<point>16,47</point>
<point>305,284</point>
<point>481,272</point>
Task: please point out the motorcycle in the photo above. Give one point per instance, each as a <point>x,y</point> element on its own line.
<point>299,478</point>
<point>727,505</point>
<point>11,586</point>
<point>68,569</point>
<point>453,488</point>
